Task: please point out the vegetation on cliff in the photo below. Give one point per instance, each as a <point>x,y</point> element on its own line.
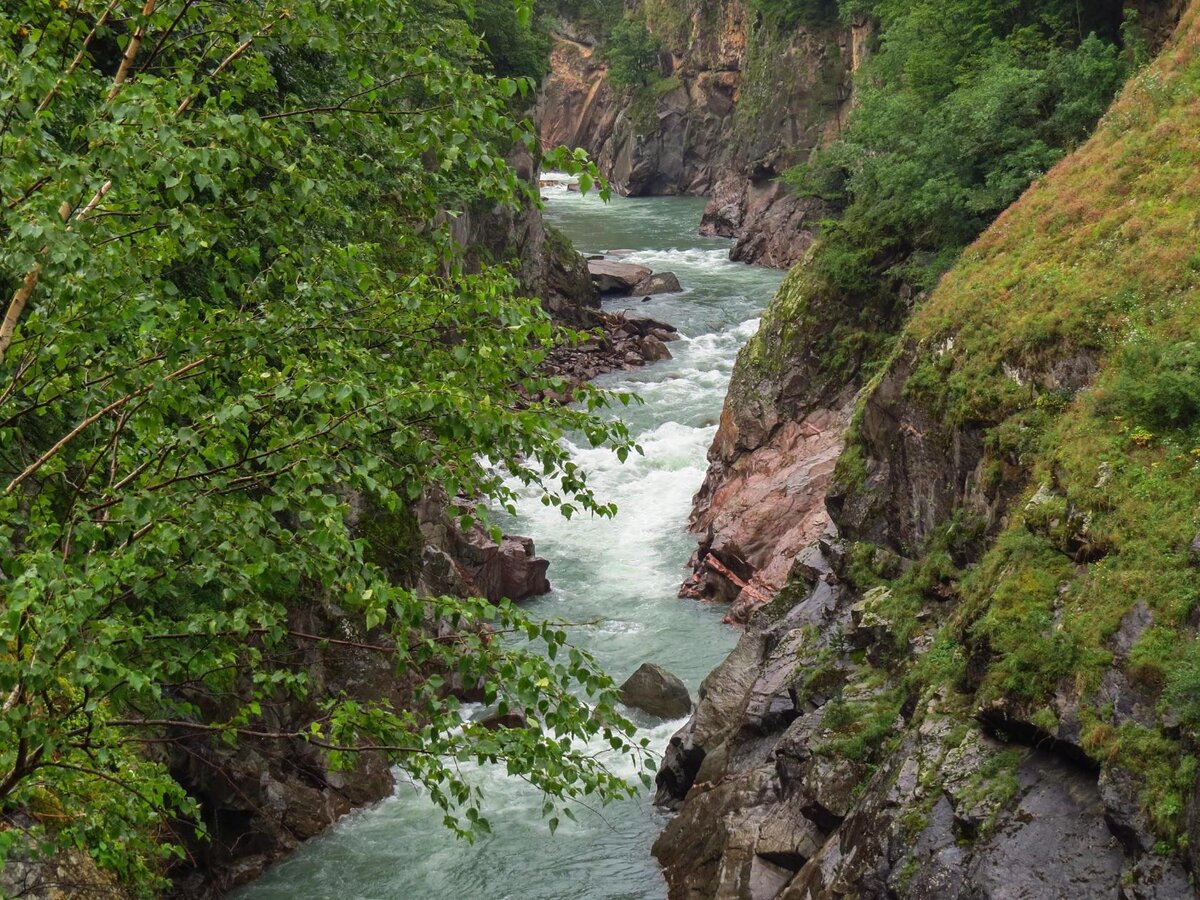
<point>1062,344</point>
<point>986,682</point>
<point>233,315</point>
<point>957,111</point>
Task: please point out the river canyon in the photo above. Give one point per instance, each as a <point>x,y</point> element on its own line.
<point>623,573</point>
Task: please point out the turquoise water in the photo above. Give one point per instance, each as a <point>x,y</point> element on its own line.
<point>622,572</point>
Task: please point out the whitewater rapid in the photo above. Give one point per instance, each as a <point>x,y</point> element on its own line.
<point>622,572</point>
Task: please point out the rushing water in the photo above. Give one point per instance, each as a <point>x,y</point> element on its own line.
<point>622,573</point>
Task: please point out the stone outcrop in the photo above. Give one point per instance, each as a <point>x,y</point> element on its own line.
<point>762,502</point>
<point>736,103</point>
<point>658,283</point>
<point>622,279</point>
<point>547,265</point>
<point>654,690</point>
<point>621,342</point>
<point>616,277</point>
<point>777,800</point>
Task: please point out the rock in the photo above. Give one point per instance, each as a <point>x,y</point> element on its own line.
<point>654,690</point>
<point>1194,552</point>
<point>495,722</point>
<point>654,350</point>
<point>616,277</point>
<point>509,570</point>
<point>1054,844</point>
<point>763,499</point>
<point>658,283</point>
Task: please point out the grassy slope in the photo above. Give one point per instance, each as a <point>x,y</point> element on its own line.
<point>1101,256</point>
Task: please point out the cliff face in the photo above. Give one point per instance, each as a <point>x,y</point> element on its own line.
<point>980,681</point>
<point>735,104</point>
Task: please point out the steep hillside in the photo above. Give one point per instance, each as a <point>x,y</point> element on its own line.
<point>985,686</point>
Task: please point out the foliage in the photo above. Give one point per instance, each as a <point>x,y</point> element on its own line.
<point>594,16</point>
<point>1087,274</point>
<point>789,13</point>
<point>945,135</point>
<point>631,53</point>
<point>516,47</point>
<point>1159,385</point>
<point>231,310</point>
<point>957,111</point>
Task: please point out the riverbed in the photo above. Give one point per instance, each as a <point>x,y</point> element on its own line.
<point>623,573</point>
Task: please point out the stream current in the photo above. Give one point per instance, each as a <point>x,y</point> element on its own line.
<point>622,573</point>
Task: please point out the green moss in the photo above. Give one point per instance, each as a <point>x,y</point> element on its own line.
<point>993,786</point>
<point>1066,337</point>
<point>862,726</point>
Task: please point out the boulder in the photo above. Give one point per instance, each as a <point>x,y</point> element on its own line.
<point>658,283</point>
<point>510,569</point>
<point>653,349</point>
<point>495,721</point>
<point>654,690</point>
<point>616,277</point>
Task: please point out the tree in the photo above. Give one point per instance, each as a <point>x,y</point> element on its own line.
<point>228,307</point>
<point>631,53</point>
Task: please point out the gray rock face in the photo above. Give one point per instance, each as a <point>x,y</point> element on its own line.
<point>769,810</point>
<point>616,277</point>
<point>658,283</point>
<point>654,690</point>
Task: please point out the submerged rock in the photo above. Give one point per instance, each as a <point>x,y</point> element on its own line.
<point>654,690</point>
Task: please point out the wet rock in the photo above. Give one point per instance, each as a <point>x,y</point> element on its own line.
<point>763,499</point>
<point>656,691</point>
<point>616,277</point>
<point>653,349</point>
<point>623,346</point>
<point>1053,843</point>
<point>658,283</point>
<point>496,721</point>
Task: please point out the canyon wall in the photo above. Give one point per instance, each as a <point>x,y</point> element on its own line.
<point>734,104</point>
<point>976,674</point>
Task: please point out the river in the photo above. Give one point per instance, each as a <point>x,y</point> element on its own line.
<point>622,572</point>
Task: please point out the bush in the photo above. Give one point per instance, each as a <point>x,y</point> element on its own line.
<point>958,112</point>
<point>1159,387</point>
